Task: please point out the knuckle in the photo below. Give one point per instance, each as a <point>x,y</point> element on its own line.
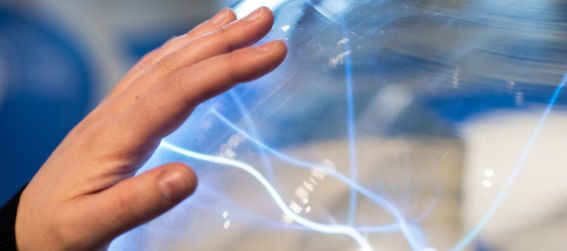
<point>175,39</point>
<point>232,15</point>
<point>150,57</point>
<point>148,60</point>
<point>223,39</point>
<point>167,64</point>
<point>199,29</point>
<point>222,31</point>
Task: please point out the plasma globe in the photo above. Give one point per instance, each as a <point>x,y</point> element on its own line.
<point>392,125</point>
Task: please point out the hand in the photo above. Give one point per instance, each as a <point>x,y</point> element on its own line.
<point>85,194</point>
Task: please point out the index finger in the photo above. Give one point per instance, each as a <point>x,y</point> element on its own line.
<point>164,107</point>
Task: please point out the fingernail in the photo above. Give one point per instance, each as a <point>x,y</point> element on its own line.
<point>256,15</point>
<point>175,186</point>
<point>268,46</point>
<point>220,16</point>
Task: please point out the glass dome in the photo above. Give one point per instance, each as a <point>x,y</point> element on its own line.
<point>392,125</point>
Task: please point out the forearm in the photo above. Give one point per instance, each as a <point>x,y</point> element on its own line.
<point>8,222</point>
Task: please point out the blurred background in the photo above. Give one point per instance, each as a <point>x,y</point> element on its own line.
<point>58,58</point>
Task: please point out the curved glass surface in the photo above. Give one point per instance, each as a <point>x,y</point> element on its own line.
<point>392,125</point>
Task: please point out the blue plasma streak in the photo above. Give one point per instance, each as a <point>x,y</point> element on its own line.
<point>475,231</point>
<point>327,229</point>
<point>385,229</point>
<point>250,124</point>
<point>351,127</point>
<point>269,168</point>
<point>385,204</point>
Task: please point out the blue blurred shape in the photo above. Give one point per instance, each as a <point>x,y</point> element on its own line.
<point>46,84</point>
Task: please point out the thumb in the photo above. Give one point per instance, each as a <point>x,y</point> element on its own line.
<point>135,201</point>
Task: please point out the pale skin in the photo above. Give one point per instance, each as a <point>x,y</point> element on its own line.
<point>86,194</point>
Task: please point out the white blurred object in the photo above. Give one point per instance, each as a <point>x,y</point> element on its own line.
<point>247,7</point>
<point>536,200</point>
